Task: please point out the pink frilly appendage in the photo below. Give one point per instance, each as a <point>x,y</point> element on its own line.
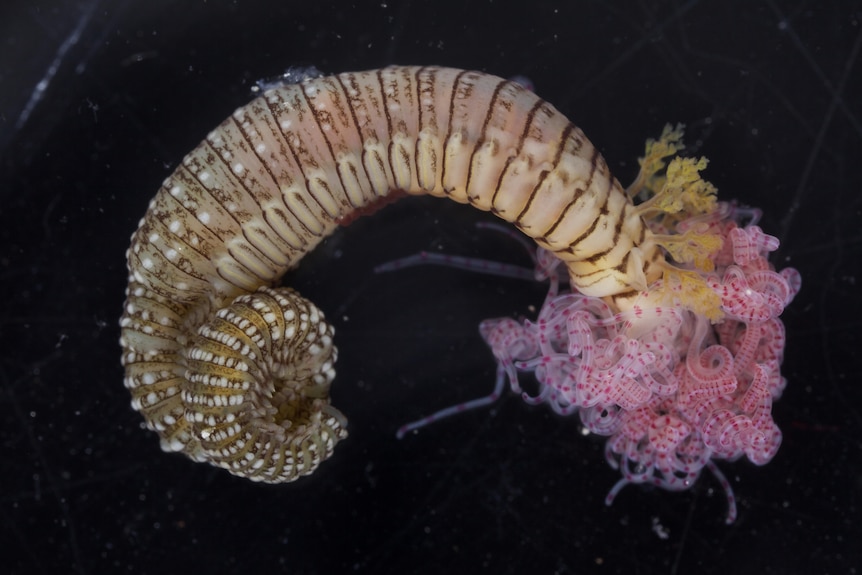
<point>671,391</point>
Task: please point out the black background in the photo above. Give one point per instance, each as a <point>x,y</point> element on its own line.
<point>770,92</point>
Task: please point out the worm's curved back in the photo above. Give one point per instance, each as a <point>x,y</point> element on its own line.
<point>230,383</point>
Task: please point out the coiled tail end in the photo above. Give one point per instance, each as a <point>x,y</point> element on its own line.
<point>257,399</point>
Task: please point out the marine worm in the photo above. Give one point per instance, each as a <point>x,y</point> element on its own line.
<point>228,369</point>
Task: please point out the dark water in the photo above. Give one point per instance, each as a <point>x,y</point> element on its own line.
<point>770,92</point>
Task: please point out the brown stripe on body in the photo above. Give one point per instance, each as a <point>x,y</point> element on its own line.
<point>287,109</point>
<point>447,189</point>
<point>366,102</point>
<point>482,139</point>
<point>352,93</point>
<point>589,217</point>
<point>429,151</point>
<point>238,166</point>
<point>329,132</point>
<point>304,152</point>
<point>265,114</point>
<point>513,184</point>
<point>396,87</point>
<point>530,227</point>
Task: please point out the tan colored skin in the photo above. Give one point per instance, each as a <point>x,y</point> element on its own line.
<point>273,180</point>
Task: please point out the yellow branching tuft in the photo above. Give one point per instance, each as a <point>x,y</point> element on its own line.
<point>668,144</point>
<point>691,247</point>
<point>692,291</point>
<point>672,188</point>
<point>653,163</point>
<point>673,192</point>
<point>684,190</point>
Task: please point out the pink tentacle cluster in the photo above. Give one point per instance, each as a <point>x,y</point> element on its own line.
<point>671,391</point>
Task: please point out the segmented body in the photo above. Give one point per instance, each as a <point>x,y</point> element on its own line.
<point>273,180</point>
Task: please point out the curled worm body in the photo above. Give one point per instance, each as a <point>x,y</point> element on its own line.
<point>229,371</point>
